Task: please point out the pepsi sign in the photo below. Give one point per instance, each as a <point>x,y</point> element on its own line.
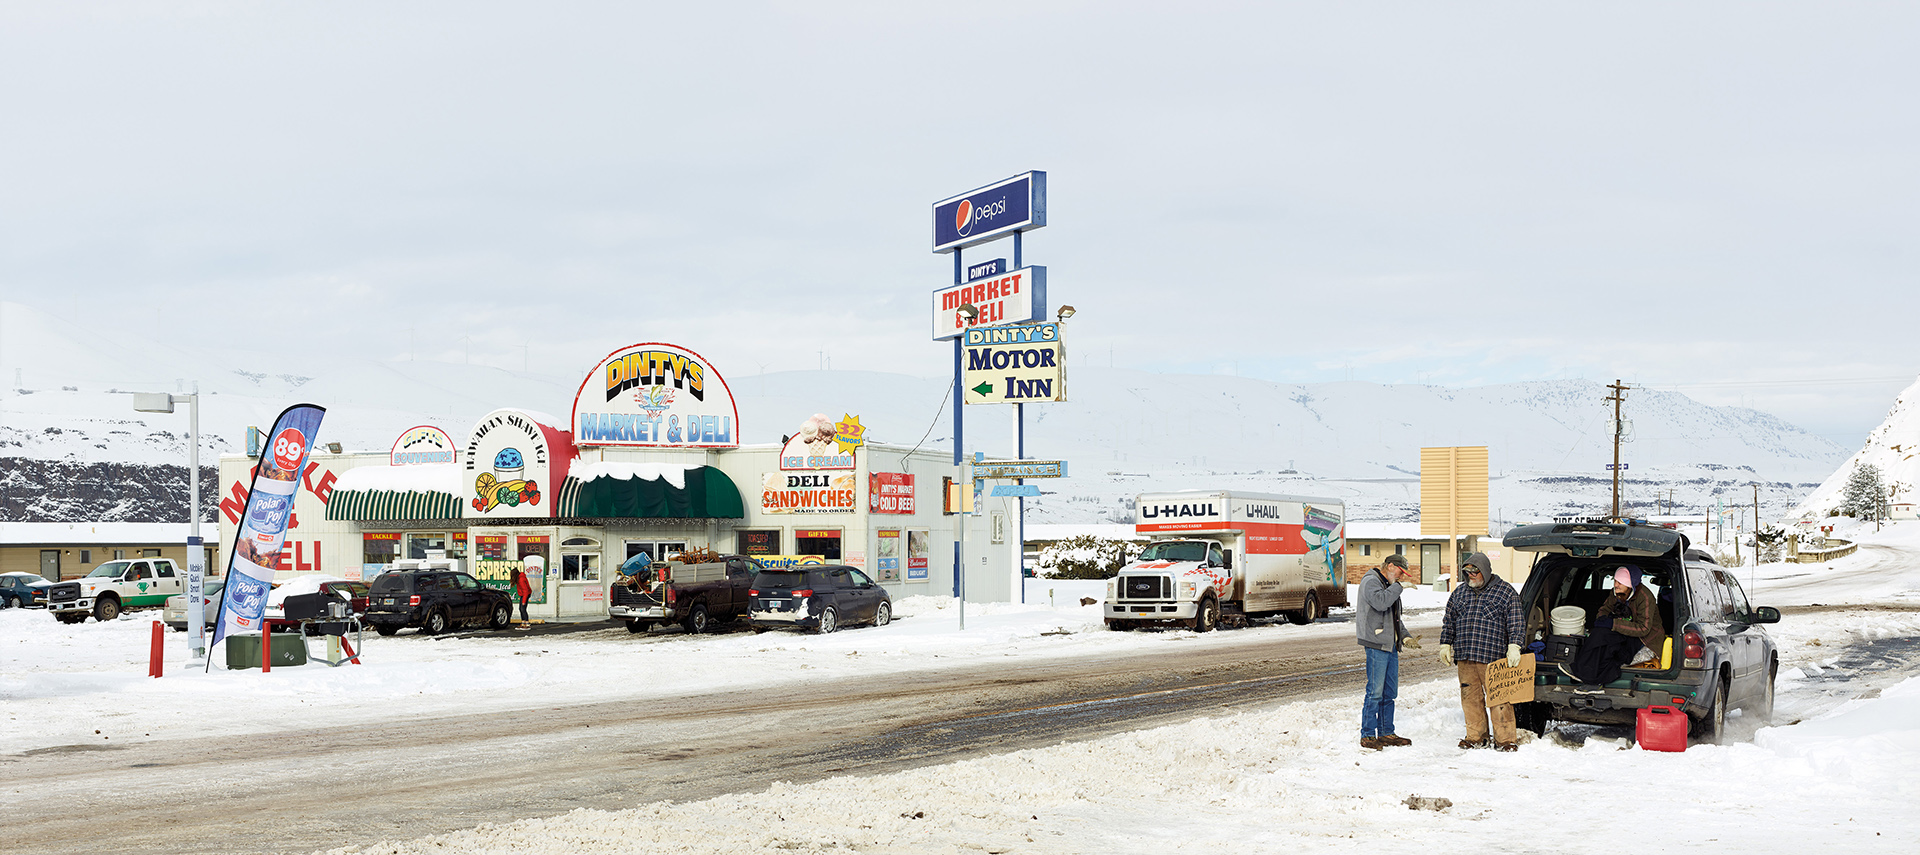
<point>1015,205</point>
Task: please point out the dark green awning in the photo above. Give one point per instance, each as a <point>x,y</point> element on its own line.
<point>708,493</point>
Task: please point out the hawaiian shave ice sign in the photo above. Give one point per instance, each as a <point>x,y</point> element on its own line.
<point>513,464</point>
<point>422,445</point>
<point>655,395</point>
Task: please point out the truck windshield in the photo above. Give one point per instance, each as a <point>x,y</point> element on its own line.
<point>111,568</point>
<point>1179,550</point>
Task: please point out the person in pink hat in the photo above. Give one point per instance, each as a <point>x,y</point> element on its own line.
<point>1626,629</point>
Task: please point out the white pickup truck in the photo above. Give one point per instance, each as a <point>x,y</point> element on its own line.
<point>114,587</point>
<point>1223,557</point>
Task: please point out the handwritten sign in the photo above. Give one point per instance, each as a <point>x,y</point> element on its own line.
<point>1510,685</point>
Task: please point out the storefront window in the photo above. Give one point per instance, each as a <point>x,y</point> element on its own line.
<point>757,542</point>
<point>378,551</point>
<point>579,568</point>
<point>458,548</point>
<point>822,542</point>
<point>419,544</point>
<point>490,547</point>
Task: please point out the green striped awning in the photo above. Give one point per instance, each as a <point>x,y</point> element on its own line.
<point>374,505</point>
<point>708,494</point>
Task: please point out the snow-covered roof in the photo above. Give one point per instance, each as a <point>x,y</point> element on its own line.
<point>674,473</point>
<point>425,478</point>
<point>89,533</point>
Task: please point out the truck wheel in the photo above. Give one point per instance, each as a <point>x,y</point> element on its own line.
<point>502,615</point>
<point>73,617</point>
<point>435,623</point>
<point>385,628</point>
<point>883,614</point>
<point>1533,716</point>
<point>1119,625</point>
<point>1208,616</point>
<point>1308,611</point>
<point>1763,710</point>
<point>829,620</point>
<point>639,626</point>
<point>106,609</point>
<point>696,622</point>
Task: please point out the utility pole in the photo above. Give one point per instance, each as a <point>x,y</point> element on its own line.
<point>1618,397</point>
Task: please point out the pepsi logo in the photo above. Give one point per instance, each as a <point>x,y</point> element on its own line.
<point>963,217</point>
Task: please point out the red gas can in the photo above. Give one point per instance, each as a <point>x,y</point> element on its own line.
<point>1661,728</point>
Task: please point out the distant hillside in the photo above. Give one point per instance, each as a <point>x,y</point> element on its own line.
<point>1893,447</point>
<point>1122,431</point>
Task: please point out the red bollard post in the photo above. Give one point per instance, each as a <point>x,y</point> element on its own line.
<point>156,656</point>
<point>351,656</point>
<point>266,647</point>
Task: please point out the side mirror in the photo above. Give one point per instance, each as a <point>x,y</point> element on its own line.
<point>1229,559</point>
<point>1764,614</point>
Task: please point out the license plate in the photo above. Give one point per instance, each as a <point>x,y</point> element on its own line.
<point>386,601</point>
<point>775,605</point>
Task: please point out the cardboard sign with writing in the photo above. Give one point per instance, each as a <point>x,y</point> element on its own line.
<point>1510,685</point>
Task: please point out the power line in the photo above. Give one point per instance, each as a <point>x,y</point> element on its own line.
<point>1751,383</point>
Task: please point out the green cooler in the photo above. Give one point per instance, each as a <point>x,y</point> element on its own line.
<point>243,651</point>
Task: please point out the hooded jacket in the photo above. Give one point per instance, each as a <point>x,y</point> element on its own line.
<point>1481,622</point>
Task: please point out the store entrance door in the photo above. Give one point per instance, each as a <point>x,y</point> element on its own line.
<point>581,591</point>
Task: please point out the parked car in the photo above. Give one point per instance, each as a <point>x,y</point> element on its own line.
<point>1718,657</point>
<point>355,593</point>
<point>434,601</point>
<point>174,611</point>
<point>23,590</point>
<point>822,598</point>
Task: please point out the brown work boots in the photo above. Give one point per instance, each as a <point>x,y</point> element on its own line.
<point>1375,743</point>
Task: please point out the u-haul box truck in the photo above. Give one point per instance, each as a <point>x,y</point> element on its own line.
<point>1225,557</point>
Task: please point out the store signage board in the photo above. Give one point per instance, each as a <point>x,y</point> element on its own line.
<point>982,271</point>
<point>1013,365</point>
<point>1012,297</point>
<point>514,465</point>
<point>1017,204</point>
<point>1001,469</point>
<point>655,395</point>
<point>423,445</point>
<point>1016,490</point>
<point>1610,467</point>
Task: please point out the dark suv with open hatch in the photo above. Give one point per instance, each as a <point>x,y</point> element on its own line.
<point>434,601</point>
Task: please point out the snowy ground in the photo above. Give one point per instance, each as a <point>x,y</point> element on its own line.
<point>1836,772</point>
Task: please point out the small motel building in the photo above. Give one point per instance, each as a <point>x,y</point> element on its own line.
<point>56,551</point>
<point>648,461</point>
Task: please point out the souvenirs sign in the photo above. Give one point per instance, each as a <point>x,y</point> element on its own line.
<point>655,395</point>
<point>424,444</point>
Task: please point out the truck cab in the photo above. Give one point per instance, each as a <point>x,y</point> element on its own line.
<point>114,587</point>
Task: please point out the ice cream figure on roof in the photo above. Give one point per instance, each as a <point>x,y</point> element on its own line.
<point>504,486</point>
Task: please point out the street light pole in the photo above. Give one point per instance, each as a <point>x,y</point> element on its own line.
<point>162,402</point>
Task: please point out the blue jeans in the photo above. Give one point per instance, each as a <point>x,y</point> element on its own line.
<point>1383,685</point>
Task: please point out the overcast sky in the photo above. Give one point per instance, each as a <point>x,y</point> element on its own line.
<point>1717,197</point>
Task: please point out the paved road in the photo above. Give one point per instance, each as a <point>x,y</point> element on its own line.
<point>313,789</point>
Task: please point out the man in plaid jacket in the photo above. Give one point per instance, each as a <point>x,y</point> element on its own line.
<point>1482,626</point>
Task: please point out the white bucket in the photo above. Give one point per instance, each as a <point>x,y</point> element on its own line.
<point>1569,620</point>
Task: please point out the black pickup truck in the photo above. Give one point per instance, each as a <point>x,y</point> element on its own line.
<point>696,596</point>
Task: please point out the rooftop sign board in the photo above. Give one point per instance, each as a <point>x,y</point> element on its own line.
<point>1014,365</point>
<point>655,395</point>
<point>421,445</point>
<point>1017,204</point>
<point>1014,297</point>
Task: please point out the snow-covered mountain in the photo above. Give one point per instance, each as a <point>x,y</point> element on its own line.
<point>1893,447</point>
<point>1123,431</point>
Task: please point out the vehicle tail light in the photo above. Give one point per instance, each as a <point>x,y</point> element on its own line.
<point>671,594</point>
<point>413,600</point>
<point>753,592</point>
<point>1693,648</point>
<point>803,592</point>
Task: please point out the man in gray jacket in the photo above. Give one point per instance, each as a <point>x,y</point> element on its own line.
<point>1376,621</point>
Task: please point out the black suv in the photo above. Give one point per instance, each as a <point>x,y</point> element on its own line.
<point>434,600</point>
<point>1718,655</point>
<point>824,597</point>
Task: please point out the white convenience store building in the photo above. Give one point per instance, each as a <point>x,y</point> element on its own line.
<point>648,461</point>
